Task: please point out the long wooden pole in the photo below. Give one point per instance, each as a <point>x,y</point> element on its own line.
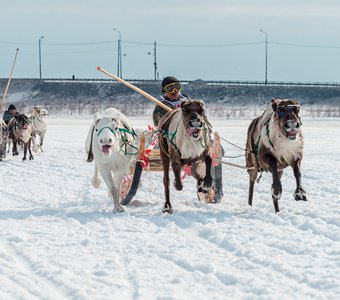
<point>138,90</point>
<point>8,82</point>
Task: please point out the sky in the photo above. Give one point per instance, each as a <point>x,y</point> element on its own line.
<point>60,240</point>
<point>196,39</point>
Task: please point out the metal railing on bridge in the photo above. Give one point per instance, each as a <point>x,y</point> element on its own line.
<point>204,82</point>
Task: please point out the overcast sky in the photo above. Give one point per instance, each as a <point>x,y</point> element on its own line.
<point>215,39</point>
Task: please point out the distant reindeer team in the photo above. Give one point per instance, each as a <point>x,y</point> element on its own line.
<point>274,142</point>
<point>23,130</point>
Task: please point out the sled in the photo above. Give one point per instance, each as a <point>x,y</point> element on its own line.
<point>149,161</point>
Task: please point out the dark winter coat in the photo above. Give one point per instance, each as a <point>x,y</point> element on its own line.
<point>159,112</point>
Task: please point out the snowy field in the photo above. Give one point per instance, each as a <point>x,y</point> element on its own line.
<point>60,240</point>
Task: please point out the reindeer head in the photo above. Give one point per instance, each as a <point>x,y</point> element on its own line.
<point>106,130</point>
<point>22,121</point>
<point>193,117</point>
<point>39,111</point>
<point>287,114</point>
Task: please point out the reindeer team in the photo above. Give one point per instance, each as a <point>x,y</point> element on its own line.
<point>22,130</point>
<point>274,142</point>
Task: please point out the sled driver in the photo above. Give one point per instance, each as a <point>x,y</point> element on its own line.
<point>172,97</point>
<point>10,113</point>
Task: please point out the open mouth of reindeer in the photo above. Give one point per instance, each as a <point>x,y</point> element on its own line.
<point>194,128</point>
<point>291,129</point>
<point>106,149</point>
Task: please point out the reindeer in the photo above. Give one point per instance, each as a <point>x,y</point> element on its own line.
<point>39,126</point>
<point>275,141</point>
<point>20,131</point>
<point>184,140</point>
<point>112,151</point>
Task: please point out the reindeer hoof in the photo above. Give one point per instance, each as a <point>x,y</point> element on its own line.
<point>24,158</point>
<point>203,188</point>
<point>167,209</point>
<point>119,209</point>
<point>15,153</point>
<point>178,185</point>
<point>96,183</point>
<point>300,194</point>
<point>31,158</point>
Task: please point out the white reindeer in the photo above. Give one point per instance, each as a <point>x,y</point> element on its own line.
<point>39,126</point>
<point>110,142</point>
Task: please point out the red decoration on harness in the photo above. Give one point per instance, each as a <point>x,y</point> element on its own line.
<point>186,171</point>
<point>151,146</point>
<point>144,161</point>
<point>214,162</point>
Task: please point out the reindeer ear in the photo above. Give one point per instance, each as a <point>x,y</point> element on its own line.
<point>116,119</point>
<point>275,103</point>
<point>202,104</point>
<point>96,117</point>
<point>184,106</point>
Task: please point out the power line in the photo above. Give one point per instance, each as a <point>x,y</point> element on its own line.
<point>48,43</point>
<point>304,45</point>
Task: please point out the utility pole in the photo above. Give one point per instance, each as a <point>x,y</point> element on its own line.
<point>40,56</point>
<point>155,59</point>
<point>119,58</point>
<point>266,57</point>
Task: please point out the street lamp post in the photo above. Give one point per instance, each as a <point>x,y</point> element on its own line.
<point>40,55</point>
<point>154,59</point>
<point>119,62</point>
<point>266,57</point>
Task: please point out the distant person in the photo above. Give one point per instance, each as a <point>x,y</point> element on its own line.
<point>172,97</point>
<point>73,77</point>
<point>10,113</point>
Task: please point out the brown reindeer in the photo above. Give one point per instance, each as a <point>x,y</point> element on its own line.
<point>21,132</point>
<point>275,141</point>
<point>184,140</point>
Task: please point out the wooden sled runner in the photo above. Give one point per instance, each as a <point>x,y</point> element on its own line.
<point>151,161</point>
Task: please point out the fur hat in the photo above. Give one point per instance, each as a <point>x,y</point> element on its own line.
<point>168,80</point>
<point>12,107</point>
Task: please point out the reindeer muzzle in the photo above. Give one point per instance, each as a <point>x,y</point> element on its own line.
<point>194,128</point>
<point>292,129</point>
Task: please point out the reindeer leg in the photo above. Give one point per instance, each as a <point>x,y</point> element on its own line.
<point>300,193</point>
<point>14,149</point>
<point>252,178</point>
<point>113,190</point>
<point>25,151</point>
<point>176,168</point>
<point>41,141</point>
<point>207,180</point>
<point>251,192</point>
<point>34,142</point>
<point>276,186</point>
<point>95,181</point>
<point>166,182</point>
<point>194,170</point>
<point>29,150</point>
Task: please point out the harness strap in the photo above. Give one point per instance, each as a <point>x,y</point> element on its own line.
<point>267,133</point>
<point>259,139</point>
<point>126,142</point>
<point>107,127</point>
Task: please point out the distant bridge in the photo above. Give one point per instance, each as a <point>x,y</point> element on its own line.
<point>207,82</point>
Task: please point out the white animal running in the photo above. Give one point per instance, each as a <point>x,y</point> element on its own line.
<point>39,126</point>
<point>110,142</point>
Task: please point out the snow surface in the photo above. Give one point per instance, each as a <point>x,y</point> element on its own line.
<point>60,240</point>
